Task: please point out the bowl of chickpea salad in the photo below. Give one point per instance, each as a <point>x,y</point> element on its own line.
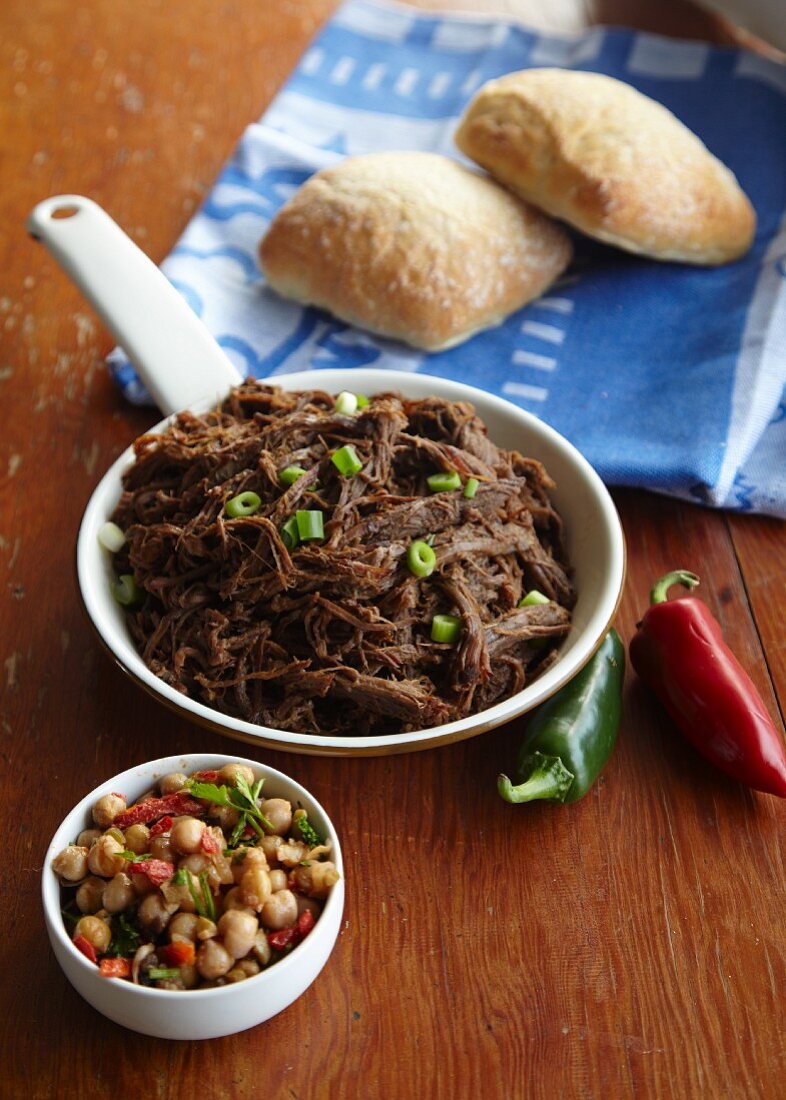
<point>194,896</point>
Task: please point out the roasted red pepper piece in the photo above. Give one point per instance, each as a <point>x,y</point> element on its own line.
<point>209,844</point>
<point>179,953</point>
<point>142,813</point>
<point>162,826</point>
<point>157,870</point>
<point>680,653</point>
<point>294,934</point>
<point>86,947</point>
<point>115,968</point>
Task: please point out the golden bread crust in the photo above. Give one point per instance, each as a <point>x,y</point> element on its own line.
<point>412,246</point>
<point>610,161</point>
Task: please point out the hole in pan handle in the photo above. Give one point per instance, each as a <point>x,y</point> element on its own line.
<point>175,355</point>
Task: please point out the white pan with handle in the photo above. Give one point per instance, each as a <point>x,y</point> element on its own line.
<point>184,368</point>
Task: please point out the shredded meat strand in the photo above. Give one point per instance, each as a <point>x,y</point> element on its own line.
<point>333,637</point>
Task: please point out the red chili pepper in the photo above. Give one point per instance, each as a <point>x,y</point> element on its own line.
<point>210,775</point>
<point>680,653</point>
<point>209,844</point>
<point>86,947</point>
<point>180,803</point>
<point>162,826</point>
<point>179,953</point>
<point>115,968</point>
<point>157,870</point>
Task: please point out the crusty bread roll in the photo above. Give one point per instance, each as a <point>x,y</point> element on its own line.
<point>412,246</point>
<point>610,161</point>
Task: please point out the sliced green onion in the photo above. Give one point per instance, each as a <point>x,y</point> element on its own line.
<point>289,533</point>
<point>445,628</point>
<point>163,973</point>
<point>310,525</point>
<point>346,403</point>
<point>127,592</point>
<point>346,461</point>
<point>244,504</point>
<point>290,474</point>
<point>443,483</point>
<point>111,537</point>
<point>421,559</point>
<point>471,487</point>
<point>532,598</point>
<point>362,400</point>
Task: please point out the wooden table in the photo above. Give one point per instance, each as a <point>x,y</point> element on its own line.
<point>631,945</point>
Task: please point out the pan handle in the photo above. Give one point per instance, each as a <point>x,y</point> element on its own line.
<point>176,357</point>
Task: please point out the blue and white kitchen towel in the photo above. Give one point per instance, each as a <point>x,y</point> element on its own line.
<point>665,376</point>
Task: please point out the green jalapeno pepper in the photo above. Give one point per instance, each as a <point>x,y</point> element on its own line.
<point>570,737</point>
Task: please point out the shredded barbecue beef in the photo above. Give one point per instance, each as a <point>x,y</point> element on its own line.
<point>333,637</point>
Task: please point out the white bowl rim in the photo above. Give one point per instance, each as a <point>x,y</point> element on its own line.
<point>50,887</point>
<point>372,381</point>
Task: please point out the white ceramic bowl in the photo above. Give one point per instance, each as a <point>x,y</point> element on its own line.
<point>594,542</point>
<point>206,1013</point>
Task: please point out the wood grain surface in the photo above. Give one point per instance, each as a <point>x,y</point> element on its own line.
<point>630,945</point>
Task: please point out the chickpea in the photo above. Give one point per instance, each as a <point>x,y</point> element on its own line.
<point>279,813</point>
<point>230,772</point>
<point>90,894</point>
<point>303,903</point>
<point>107,808</point>
<point>213,960</point>
<point>238,930</point>
<point>292,852</point>
<point>226,817</point>
<point>88,837</point>
<point>243,859</point>
<point>189,976</point>
<point>141,883</point>
<point>104,857</point>
<point>71,864</point>
<point>172,783</point>
<point>95,931</point>
<point>235,975</point>
<point>270,846</point>
<point>232,900</point>
<point>180,895</point>
<point>196,863</point>
<point>183,926</point>
<point>154,912</point>
<point>280,910</point>
<point>278,880</point>
<point>118,893</point>
<point>315,879</point>
<point>186,835</point>
<point>137,838</point>
<point>262,950</point>
<point>205,929</point>
<point>249,966</point>
<point>161,848</point>
<point>255,887</point>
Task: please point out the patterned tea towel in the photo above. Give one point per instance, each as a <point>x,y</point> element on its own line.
<point>665,376</point>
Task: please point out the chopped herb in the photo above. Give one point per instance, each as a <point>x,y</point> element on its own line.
<point>308,832</point>
<point>132,857</point>
<point>163,973</point>
<point>125,937</point>
<point>202,897</point>
<point>242,798</point>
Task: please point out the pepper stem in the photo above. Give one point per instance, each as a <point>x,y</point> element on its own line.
<point>549,780</point>
<point>660,589</point>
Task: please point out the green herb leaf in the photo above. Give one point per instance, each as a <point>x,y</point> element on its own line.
<point>308,832</point>
<point>132,857</point>
<point>163,973</point>
<point>125,937</point>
